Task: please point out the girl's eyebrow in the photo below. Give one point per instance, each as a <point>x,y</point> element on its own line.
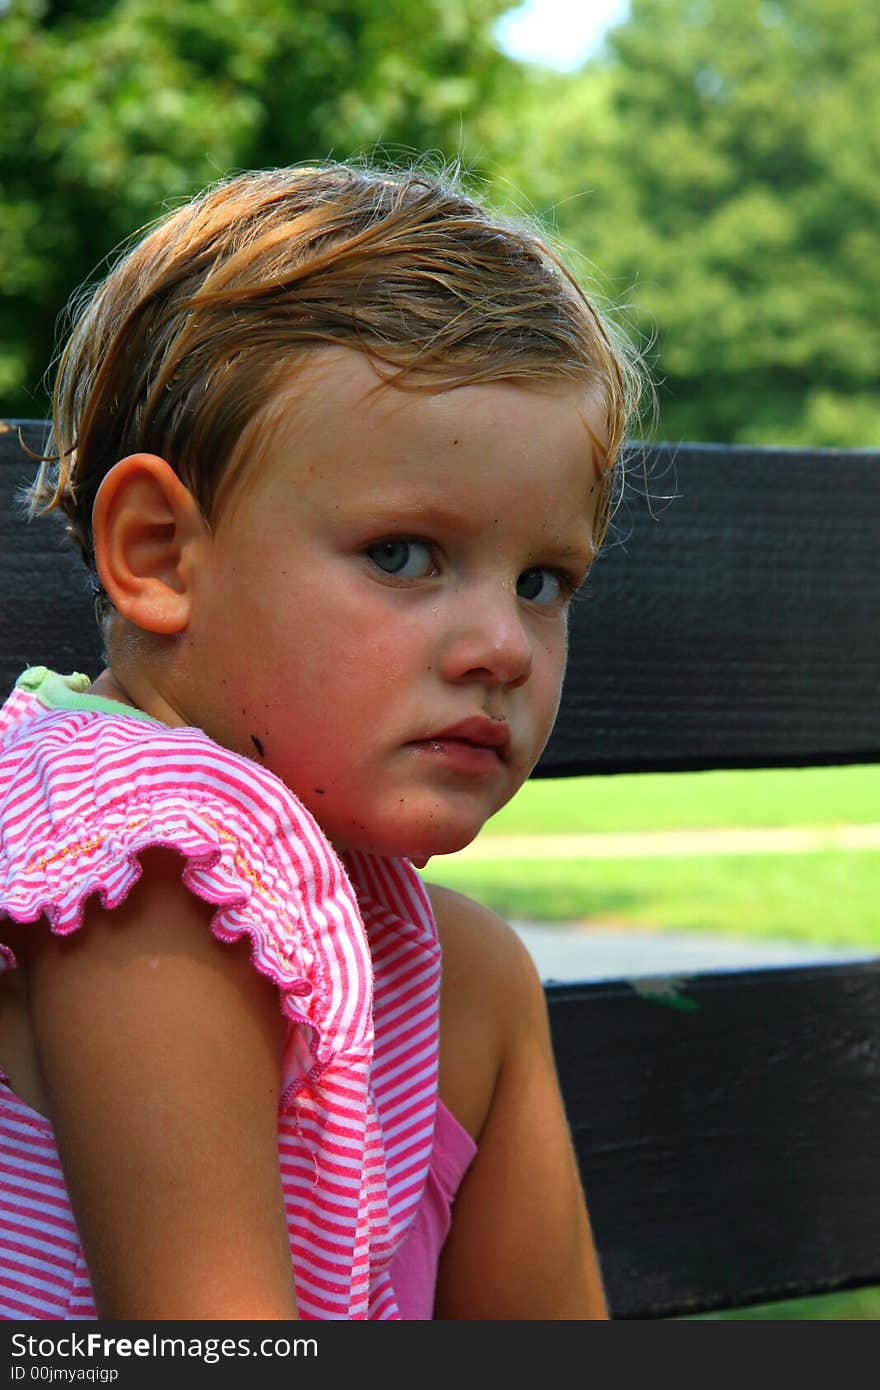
<point>421,511</point>
<point>583,555</point>
<point>409,512</point>
<point>405,512</point>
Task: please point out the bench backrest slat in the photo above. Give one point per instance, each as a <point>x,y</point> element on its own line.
<point>731,630</point>
<point>727,1127</point>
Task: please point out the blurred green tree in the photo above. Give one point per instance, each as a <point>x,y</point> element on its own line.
<point>720,164</point>
<point>111,110</point>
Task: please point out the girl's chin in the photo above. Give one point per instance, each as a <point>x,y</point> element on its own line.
<point>419,852</point>
<point>417,835</point>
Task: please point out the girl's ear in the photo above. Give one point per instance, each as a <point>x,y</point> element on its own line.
<point>147,529</point>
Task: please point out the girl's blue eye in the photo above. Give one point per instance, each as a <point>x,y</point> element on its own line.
<point>406,559</point>
<point>540,585</point>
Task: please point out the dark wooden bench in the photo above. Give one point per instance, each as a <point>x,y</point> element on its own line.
<point>728,1127</point>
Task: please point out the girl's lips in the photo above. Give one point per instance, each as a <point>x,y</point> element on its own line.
<point>460,755</point>
<point>478,732</point>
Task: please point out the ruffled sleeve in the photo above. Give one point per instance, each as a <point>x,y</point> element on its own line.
<point>83,794</point>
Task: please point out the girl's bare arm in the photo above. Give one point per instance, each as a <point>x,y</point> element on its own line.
<point>160,1049</point>
<point>520,1247</point>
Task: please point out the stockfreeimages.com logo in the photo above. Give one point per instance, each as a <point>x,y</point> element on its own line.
<point>92,1345</point>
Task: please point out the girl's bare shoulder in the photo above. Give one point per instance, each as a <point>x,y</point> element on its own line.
<point>520,1245</point>
<point>488,981</point>
<point>479,944</point>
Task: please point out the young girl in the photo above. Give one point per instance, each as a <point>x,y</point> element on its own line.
<point>338,448</point>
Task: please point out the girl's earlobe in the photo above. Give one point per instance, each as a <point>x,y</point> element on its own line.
<point>147,528</point>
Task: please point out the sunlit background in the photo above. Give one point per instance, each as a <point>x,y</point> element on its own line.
<point>561,34</point>
<point>711,164</point>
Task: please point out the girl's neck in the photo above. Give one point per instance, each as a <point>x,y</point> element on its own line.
<point>109,688</point>
<point>138,694</point>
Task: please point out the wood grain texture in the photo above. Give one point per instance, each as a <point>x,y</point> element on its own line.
<point>727,1127</point>
<point>46,610</point>
<point>734,625</point>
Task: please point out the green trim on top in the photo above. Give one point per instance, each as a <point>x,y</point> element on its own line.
<point>69,692</point>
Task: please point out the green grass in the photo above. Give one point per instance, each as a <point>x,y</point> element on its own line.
<point>853,1305</point>
<point>668,801</point>
<point>829,897</point>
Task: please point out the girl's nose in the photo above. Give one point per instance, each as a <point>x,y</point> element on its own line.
<point>488,642</point>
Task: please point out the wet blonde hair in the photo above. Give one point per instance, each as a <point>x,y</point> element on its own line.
<point>201,321</point>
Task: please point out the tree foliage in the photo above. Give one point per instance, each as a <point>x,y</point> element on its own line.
<point>720,164</point>
<point>111,110</point>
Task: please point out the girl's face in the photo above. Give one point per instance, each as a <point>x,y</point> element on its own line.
<point>381,618</point>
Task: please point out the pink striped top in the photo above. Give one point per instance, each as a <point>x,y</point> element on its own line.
<point>353,950</point>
